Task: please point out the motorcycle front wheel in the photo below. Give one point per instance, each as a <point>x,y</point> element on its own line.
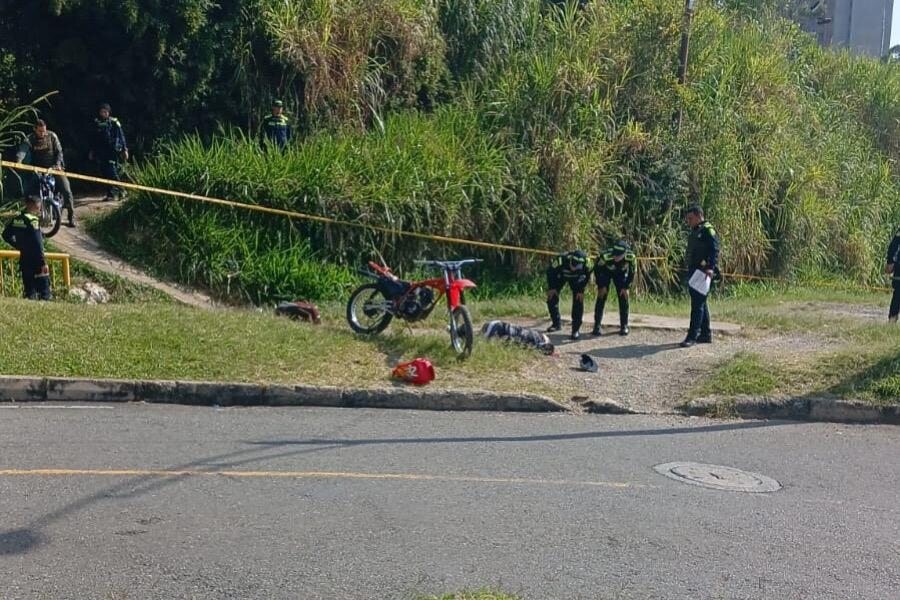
<point>461,334</point>
<point>367,310</point>
<point>50,219</point>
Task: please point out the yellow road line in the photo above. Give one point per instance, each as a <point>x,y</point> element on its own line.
<point>309,475</point>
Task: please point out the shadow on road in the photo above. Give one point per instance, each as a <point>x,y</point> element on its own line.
<point>26,539</point>
<point>633,351</point>
<point>557,437</point>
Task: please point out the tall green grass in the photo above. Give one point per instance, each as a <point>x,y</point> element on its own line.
<point>557,132</point>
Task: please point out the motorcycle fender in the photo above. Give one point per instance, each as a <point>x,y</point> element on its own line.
<point>456,289</point>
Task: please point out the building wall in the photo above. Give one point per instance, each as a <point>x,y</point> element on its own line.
<point>864,26</point>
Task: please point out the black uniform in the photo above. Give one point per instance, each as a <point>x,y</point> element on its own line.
<point>275,130</point>
<point>573,268</point>
<point>893,258</point>
<point>702,254</point>
<point>24,234</point>
<point>109,146</point>
<point>620,273</point>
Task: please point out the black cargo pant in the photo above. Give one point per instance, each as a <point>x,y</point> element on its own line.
<point>37,286</point>
<point>555,283</point>
<point>895,301</point>
<point>699,326</point>
<point>618,278</point>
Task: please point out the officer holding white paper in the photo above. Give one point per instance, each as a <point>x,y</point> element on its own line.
<point>702,264</point>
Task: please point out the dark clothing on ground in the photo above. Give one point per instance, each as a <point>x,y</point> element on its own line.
<point>703,255</point>
<point>574,269</point>
<point>519,335</point>
<point>620,273</point>
<point>24,234</point>
<point>108,146</point>
<point>893,258</point>
<point>275,130</point>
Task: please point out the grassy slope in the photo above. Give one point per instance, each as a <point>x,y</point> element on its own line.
<point>159,341</point>
<point>166,341</point>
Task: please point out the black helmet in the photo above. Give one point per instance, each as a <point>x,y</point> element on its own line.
<point>588,364</point>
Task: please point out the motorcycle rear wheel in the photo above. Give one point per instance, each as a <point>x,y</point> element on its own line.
<point>366,313</point>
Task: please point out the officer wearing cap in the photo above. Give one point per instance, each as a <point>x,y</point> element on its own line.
<point>24,234</point>
<point>893,269</point>
<point>702,255</point>
<point>616,265</point>
<point>108,147</point>
<point>572,268</point>
<point>276,127</point>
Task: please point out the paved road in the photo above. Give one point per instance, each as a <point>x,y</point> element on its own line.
<point>139,501</point>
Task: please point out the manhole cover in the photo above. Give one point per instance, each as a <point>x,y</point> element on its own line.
<point>718,477</point>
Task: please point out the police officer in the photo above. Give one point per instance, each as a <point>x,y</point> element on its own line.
<point>47,152</point>
<point>24,234</point>
<point>893,269</point>
<point>276,127</point>
<point>616,265</point>
<point>573,268</point>
<point>108,147</point>
<point>702,255</point>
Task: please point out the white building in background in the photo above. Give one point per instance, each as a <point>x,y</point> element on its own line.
<point>863,26</point>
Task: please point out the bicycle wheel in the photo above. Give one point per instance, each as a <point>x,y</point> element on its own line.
<point>461,335</point>
<point>50,219</point>
<point>367,310</point>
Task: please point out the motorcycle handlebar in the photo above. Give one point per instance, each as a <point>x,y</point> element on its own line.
<point>448,264</point>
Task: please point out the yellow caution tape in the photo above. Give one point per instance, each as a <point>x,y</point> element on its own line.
<point>291,214</point>
<point>395,232</point>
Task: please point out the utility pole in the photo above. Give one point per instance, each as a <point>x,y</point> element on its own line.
<point>689,6</point>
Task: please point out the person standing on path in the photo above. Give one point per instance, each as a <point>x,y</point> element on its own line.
<point>24,234</point>
<point>46,152</point>
<point>107,148</point>
<point>616,265</point>
<point>893,269</point>
<point>275,128</point>
<point>573,268</point>
<point>702,256</point>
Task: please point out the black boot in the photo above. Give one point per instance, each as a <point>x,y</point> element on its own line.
<point>598,314</point>
<point>623,316</point>
<point>554,327</point>
<point>688,341</point>
<point>71,218</point>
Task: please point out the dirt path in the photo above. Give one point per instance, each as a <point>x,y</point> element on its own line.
<point>648,371</point>
<point>83,247</point>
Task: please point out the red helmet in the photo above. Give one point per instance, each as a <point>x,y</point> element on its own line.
<point>418,372</point>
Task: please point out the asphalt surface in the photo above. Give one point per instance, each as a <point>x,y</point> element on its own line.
<point>135,501</point>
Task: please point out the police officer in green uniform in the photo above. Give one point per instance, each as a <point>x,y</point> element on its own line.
<point>702,255</point>
<point>893,269</point>
<point>276,127</point>
<point>24,234</point>
<point>46,151</point>
<point>108,147</point>
<point>572,268</point>
<point>616,265</point>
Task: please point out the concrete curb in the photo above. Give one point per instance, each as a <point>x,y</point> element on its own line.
<point>795,409</point>
<point>195,393</point>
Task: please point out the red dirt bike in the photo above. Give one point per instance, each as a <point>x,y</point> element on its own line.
<point>373,306</point>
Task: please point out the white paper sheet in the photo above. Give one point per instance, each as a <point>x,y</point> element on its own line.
<point>700,282</point>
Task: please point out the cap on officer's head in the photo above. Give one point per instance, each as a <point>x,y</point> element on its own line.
<point>277,104</point>
<point>694,209</point>
<point>104,106</point>
<point>620,248</point>
<point>32,200</point>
